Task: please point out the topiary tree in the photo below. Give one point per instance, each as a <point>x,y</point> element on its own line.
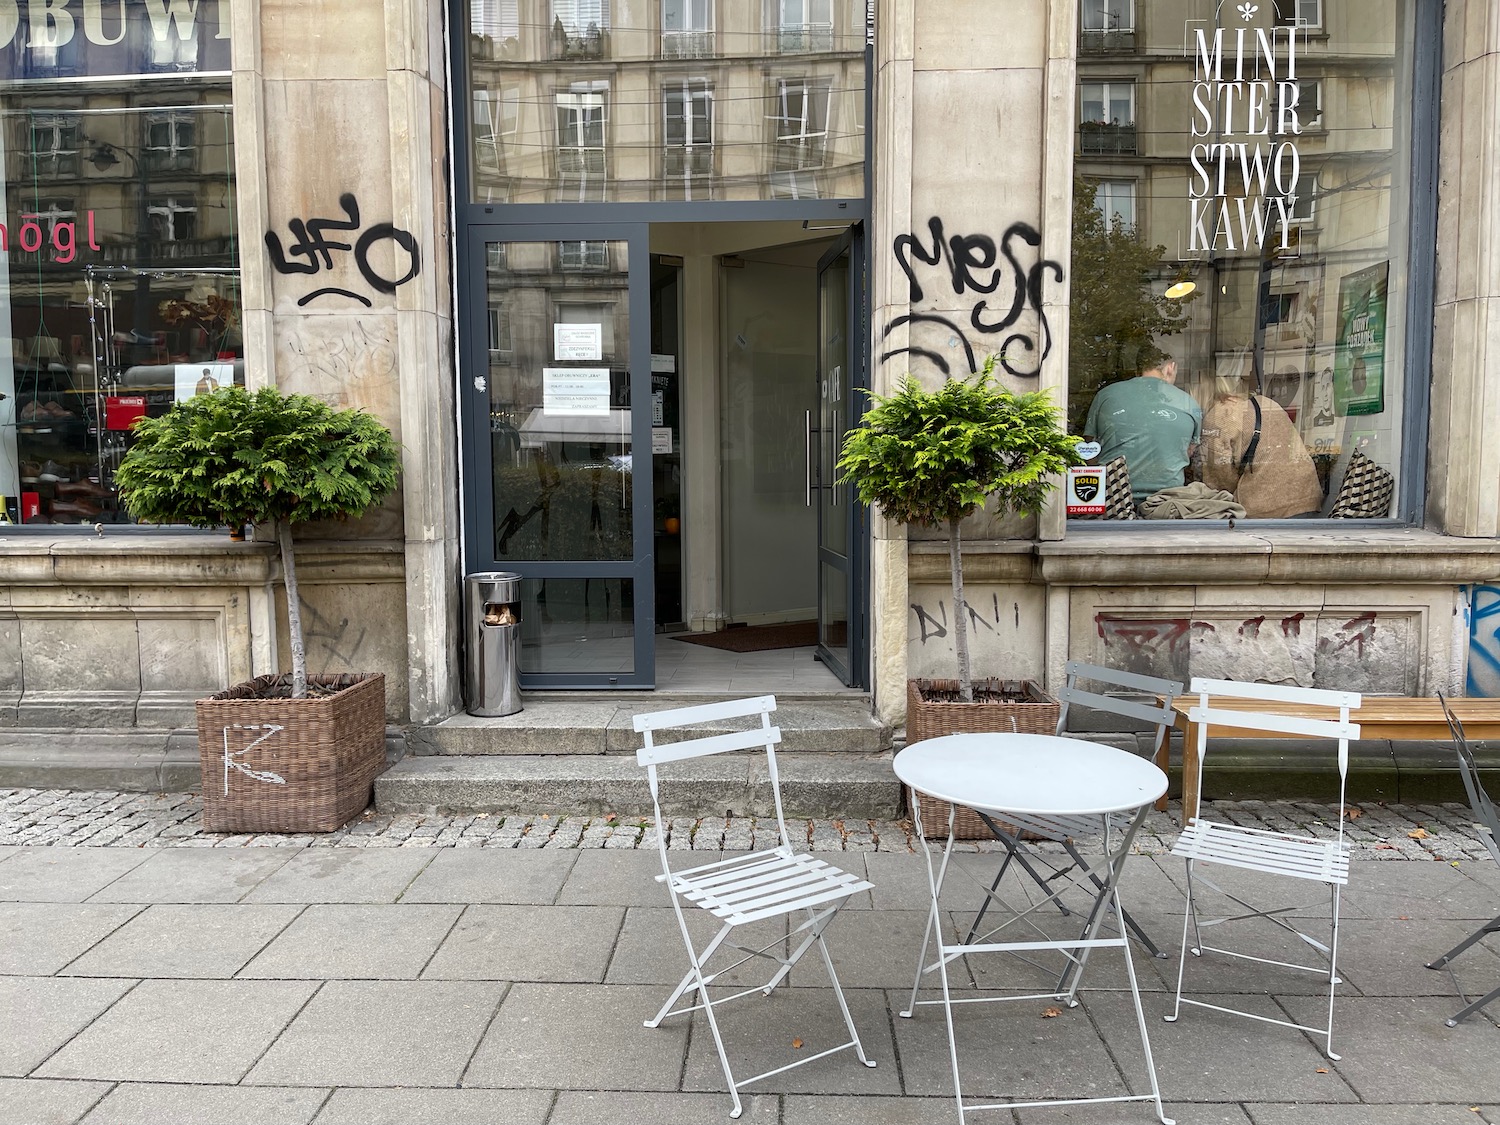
<point>934,457</point>
<point>232,457</point>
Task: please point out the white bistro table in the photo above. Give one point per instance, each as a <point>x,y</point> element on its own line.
<point>1043,776</point>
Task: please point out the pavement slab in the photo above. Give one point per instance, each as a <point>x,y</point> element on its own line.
<point>1362,1114</point>
<point>437,1107</point>
<point>528,943</point>
<point>492,875</point>
<point>171,940</point>
<point>196,875</point>
<point>39,938</point>
<point>381,1033</point>
<point>649,949</point>
<point>545,1034</point>
<point>617,878</point>
<point>43,1101</point>
<point>150,1103</point>
<point>41,1014</point>
<point>40,874</point>
<point>208,1031</point>
<point>336,875</point>
<point>355,941</point>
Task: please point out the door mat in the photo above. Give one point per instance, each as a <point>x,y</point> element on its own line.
<point>757,638</point>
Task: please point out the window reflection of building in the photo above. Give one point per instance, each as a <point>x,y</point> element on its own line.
<point>54,145</point>
<point>549,124</point>
<point>688,137</point>
<point>1327,216</point>
<point>171,141</point>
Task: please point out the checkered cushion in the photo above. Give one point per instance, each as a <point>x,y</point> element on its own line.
<point>1365,492</point>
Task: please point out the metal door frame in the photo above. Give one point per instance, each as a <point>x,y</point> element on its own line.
<point>473,394</point>
<point>856,562</point>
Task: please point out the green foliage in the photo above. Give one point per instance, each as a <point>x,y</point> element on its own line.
<point>928,457</point>
<point>233,458</point>
<point>1117,310</point>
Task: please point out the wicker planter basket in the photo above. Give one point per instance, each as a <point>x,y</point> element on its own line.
<point>291,765</point>
<point>1027,709</point>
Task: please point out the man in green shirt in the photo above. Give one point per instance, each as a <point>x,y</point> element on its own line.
<point>1151,423</point>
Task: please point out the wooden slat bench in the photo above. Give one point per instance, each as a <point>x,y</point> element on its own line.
<point>1417,719</point>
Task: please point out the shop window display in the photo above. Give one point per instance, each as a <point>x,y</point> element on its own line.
<point>1256,285</point>
<point>119,288</point>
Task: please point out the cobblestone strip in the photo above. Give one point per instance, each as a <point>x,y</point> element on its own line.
<point>104,818</point>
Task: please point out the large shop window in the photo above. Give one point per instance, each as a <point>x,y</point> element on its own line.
<point>582,101</point>
<point>119,286</point>
<point>1240,261</point>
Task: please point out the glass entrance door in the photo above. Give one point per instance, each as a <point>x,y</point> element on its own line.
<point>557,400</point>
<point>840,516</point>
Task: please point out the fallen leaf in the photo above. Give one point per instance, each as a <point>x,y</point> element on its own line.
<point>1385,847</point>
<point>1418,834</point>
<point>1354,814</point>
<point>610,819</point>
<point>1051,1013</point>
<point>1403,917</point>
<point>1322,1070</point>
<point>796,1044</point>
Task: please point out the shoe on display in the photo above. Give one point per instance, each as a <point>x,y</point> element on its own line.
<point>29,471</point>
<point>30,412</point>
<point>82,509</point>
<point>72,489</point>
<point>56,410</point>
<point>52,472</point>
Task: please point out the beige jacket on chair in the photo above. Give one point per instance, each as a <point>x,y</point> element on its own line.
<point>1280,480</point>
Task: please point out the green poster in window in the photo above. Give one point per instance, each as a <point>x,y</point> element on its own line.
<point>1359,359</point>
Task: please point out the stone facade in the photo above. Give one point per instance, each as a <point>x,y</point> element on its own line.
<point>974,120</point>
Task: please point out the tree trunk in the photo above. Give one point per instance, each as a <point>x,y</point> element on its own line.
<point>960,615</point>
<point>293,610</point>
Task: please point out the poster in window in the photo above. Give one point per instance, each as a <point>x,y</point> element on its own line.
<point>1359,359</point>
<point>1086,490</point>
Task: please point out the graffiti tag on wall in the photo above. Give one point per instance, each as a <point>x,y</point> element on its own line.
<point>978,264</point>
<point>1484,642</point>
<point>316,249</point>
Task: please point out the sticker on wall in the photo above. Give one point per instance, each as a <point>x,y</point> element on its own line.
<point>1086,490</point>
<point>1359,361</point>
<point>575,391</point>
<point>577,341</point>
<point>1088,450</point>
<point>192,379</point>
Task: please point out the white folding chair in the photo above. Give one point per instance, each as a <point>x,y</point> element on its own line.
<point>1487,824</point>
<point>1070,831</point>
<point>1278,854</point>
<point>770,883</point>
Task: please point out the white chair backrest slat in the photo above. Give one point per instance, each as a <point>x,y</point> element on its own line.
<point>1133,680</point>
<point>1277,693</point>
<point>651,755</point>
<point>1126,708</point>
<point>704,713</point>
<point>1273,722</point>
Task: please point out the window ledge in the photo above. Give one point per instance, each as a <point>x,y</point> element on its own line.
<point>182,558</point>
<point>1180,555</point>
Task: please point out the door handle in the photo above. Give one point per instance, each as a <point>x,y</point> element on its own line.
<point>807,453</point>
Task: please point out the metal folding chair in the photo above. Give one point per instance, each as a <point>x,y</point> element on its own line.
<point>1278,854</point>
<point>1487,822</point>
<point>1070,831</point>
<point>777,882</point>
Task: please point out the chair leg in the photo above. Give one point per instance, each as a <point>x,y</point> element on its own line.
<point>1464,1013</point>
<point>713,1026</point>
<point>1491,927</point>
<point>1333,973</point>
<point>833,978</point>
<point>1189,917</point>
<point>694,973</point>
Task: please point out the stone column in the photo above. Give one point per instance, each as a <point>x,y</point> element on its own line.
<point>340,152</point>
<point>1464,458</point>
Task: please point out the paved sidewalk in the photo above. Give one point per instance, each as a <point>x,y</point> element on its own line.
<point>353,980</point>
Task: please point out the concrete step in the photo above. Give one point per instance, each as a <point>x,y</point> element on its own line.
<point>812,785</point>
<point>553,724</point>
